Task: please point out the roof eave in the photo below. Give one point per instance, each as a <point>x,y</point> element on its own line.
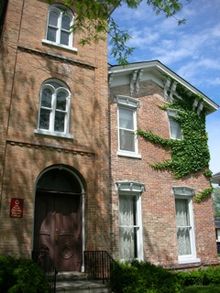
<point>211,105</point>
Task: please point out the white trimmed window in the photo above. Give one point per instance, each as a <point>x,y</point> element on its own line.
<point>175,128</point>
<point>127,126</point>
<point>185,225</point>
<point>59,23</point>
<point>130,221</point>
<point>218,234</point>
<point>54,110</point>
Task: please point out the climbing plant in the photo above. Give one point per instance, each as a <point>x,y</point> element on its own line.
<point>190,154</point>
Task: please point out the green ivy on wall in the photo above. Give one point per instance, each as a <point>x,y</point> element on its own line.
<point>190,154</point>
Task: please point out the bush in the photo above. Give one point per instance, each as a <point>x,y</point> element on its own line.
<point>21,276</point>
<point>142,277</point>
<point>206,276</point>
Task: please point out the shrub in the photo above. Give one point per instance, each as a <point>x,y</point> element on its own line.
<point>206,276</point>
<point>21,276</point>
<point>142,277</point>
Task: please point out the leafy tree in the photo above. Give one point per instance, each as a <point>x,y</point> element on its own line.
<point>94,19</point>
<point>216,201</point>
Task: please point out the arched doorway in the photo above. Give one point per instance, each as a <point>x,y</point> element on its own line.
<point>58,218</point>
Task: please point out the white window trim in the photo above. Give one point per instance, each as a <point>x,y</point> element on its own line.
<point>132,188</point>
<point>47,42</point>
<point>58,8</point>
<point>217,234</point>
<point>55,134</point>
<point>126,102</point>
<point>51,131</point>
<point>173,113</point>
<point>187,194</point>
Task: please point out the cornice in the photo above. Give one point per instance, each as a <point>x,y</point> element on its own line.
<point>51,148</point>
<point>57,57</point>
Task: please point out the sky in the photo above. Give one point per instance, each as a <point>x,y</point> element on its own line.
<point>192,50</point>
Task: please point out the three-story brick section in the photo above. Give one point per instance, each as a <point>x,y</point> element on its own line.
<point>158,211</point>
<point>25,153</point>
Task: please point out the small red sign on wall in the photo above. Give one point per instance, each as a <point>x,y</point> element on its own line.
<point>16,207</point>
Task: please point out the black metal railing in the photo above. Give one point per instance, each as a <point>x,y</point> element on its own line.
<point>42,258</point>
<point>98,265</point>
<point>218,247</point>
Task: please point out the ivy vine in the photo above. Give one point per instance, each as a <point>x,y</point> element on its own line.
<point>203,195</point>
<point>189,155</point>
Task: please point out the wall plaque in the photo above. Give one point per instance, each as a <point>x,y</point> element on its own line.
<point>16,207</point>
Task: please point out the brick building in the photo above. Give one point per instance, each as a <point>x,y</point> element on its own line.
<point>59,190</point>
<point>154,216</point>
<point>54,139</point>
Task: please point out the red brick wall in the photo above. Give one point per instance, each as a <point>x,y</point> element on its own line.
<point>158,202</point>
<point>25,64</point>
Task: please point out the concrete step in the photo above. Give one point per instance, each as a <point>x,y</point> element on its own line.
<point>82,286</point>
<point>71,276</point>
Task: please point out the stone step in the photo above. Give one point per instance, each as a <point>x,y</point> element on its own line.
<point>82,286</point>
<point>71,276</point>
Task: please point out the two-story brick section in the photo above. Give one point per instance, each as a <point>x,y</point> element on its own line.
<point>73,175</point>
<point>154,215</point>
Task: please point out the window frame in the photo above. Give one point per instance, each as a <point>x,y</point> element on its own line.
<point>61,9</point>
<point>186,193</point>
<point>172,114</point>
<point>130,104</point>
<point>133,189</point>
<point>53,109</point>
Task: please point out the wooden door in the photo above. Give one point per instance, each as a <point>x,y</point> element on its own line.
<point>58,229</point>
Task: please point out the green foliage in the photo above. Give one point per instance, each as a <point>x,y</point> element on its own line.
<point>202,289</point>
<point>143,277</point>
<point>206,276</point>
<point>189,155</point>
<point>156,139</point>
<point>207,173</point>
<point>21,276</point>
<point>118,41</point>
<point>94,19</point>
<point>203,195</point>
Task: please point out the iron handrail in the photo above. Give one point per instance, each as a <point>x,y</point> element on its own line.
<point>98,265</point>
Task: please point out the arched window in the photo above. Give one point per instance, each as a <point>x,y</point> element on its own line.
<point>54,108</point>
<point>60,20</point>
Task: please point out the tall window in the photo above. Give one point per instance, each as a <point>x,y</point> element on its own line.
<point>184,225</point>
<point>175,128</point>
<point>127,126</point>
<point>60,20</point>
<point>130,223</point>
<point>54,108</point>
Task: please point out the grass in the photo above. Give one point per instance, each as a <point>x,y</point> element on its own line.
<point>202,289</point>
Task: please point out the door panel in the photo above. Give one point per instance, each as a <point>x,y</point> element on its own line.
<point>58,229</point>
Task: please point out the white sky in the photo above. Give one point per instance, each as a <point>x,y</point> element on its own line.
<point>192,50</point>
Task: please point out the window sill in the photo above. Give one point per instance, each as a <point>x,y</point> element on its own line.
<point>54,134</point>
<point>129,155</point>
<point>175,138</point>
<point>72,49</point>
<point>189,260</point>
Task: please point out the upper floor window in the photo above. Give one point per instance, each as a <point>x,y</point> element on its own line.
<point>175,128</point>
<point>60,21</point>
<point>54,108</point>
<point>127,126</point>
